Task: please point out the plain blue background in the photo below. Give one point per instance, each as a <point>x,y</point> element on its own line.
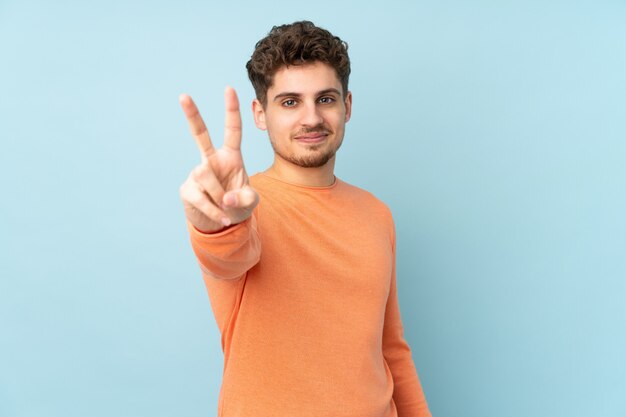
<point>496,132</point>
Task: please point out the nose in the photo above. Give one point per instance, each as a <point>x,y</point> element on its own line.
<point>311,115</point>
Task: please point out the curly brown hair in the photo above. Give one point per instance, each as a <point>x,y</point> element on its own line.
<point>297,43</point>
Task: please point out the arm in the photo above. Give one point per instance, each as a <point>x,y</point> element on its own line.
<point>217,195</point>
<point>225,258</point>
<point>228,254</point>
<point>407,394</point>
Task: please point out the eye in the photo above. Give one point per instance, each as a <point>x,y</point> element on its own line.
<point>326,100</point>
<point>289,103</point>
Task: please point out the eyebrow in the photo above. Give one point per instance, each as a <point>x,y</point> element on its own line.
<point>293,94</point>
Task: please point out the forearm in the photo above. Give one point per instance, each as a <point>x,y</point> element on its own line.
<point>229,253</point>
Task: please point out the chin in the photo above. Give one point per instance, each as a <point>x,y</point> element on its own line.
<point>310,161</point>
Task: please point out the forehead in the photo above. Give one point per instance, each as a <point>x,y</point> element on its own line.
<point>303,79</point>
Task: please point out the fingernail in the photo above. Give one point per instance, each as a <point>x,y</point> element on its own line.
<point>230,199</point>
<point>226,221</point>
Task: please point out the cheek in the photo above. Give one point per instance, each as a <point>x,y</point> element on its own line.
<point>337,120</point>
<point>278,130</point>
<point>281,126</point>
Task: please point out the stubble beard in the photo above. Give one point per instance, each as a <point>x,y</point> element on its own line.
<point>314,159</point>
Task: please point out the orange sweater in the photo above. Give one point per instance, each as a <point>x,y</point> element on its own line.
<point>304,294</point>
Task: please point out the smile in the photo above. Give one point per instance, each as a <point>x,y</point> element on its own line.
<point>312,137</point>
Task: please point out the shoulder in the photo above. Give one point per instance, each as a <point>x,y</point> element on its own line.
<point>258,181</point>
<point>363,195</point>
<point>372,209</point>
<point>366,199</point>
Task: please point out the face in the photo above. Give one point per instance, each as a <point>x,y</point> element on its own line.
<point>305,114</point>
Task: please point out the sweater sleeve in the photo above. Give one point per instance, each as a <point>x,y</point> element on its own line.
<point>408,395</point>
<point>229,254</point>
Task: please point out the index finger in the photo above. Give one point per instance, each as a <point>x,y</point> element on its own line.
<point>196,125</point>
<point>232,125</point>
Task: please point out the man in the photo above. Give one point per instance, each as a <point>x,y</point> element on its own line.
<point>299,265</point>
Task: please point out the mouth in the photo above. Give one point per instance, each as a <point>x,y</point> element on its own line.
<point>312,137</point>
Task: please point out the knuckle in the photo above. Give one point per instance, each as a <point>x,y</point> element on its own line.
<point>196,198</point>
<point>195,201</point>
<point>201,171</point>
<point>235,128</point>
<point>184,190</point>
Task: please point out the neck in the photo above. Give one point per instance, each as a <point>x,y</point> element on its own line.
<point>311,177</point>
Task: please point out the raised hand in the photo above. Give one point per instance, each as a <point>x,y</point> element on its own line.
<point>217,193</point>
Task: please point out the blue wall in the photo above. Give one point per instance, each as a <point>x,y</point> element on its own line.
<point>496,131</point>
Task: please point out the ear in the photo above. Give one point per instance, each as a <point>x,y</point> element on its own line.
<point>348,104</point>
<point>259,114</point>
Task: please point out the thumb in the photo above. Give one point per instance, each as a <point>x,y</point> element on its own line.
<point>244,198</point>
